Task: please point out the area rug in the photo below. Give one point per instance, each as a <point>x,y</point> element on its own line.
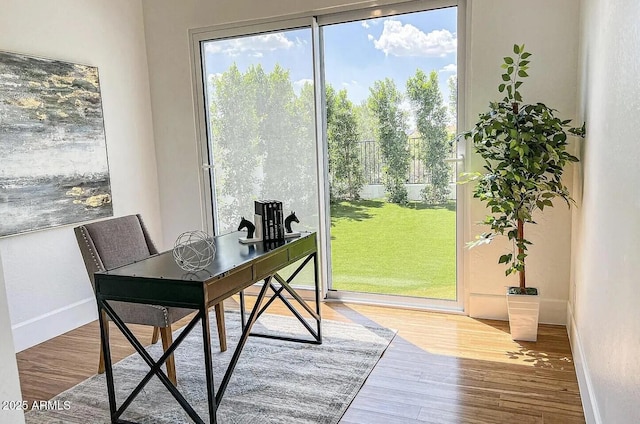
<point>275,381</point>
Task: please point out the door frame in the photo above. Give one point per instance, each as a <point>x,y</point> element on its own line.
<point>314,20</point>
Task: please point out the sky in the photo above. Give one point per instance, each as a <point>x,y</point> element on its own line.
<point>356,54</point>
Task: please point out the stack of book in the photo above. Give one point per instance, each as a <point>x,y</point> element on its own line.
<point>272,219</point>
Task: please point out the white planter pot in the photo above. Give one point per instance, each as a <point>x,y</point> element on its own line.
<point>523,316</point>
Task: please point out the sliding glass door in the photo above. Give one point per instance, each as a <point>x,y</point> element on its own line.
<point>261,126</point>
<point>391,101</point>
<point>349,120</point>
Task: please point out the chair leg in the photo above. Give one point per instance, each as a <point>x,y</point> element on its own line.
<point>156,335</point>
<point>222,330</point>
<point>101,361</point>
<point>167,339</point>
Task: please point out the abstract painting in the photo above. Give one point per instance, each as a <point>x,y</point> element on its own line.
<point>53,155</point>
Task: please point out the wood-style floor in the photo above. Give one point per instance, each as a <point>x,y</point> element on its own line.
<point>439,369</point>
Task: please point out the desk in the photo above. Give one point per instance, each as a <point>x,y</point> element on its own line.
<point>158,280</point>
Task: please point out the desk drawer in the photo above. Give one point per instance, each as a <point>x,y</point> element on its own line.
<point>302,248</point>
<point>230,284</point>
<point>273,263</point>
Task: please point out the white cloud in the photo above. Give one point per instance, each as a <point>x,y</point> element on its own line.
<point>301,82</point>
<point>365,24</point>
<point>452,67</point>
<point>253,45</point>
<point>370,37</point>
<point>352,83</point>
<point>406,40</point>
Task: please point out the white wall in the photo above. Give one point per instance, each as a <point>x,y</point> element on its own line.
<point>549,30</point>
<point>605,314</point>
<point>47,286</point>
<point>10,387</point>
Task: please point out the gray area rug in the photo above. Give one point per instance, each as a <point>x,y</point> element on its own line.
<point>274,382</point>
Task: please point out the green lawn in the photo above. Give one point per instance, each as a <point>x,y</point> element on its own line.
<point>380,247</point>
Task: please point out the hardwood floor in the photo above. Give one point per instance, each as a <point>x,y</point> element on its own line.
<point>440,368</point>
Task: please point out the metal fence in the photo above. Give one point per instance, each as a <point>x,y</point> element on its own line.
<point>371,160</point>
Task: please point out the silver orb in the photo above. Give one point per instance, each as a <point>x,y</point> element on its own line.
<point>194,250</point>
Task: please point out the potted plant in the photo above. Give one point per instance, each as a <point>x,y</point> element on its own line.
<point>524,151</point>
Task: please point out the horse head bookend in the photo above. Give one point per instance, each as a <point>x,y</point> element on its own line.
<point>245,223</point>
<point>287,222</point>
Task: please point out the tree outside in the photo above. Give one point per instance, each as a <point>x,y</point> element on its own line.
<point>345,168</point>
<point>384,101</point>
<point>262,144</point>
<point>431,119</point>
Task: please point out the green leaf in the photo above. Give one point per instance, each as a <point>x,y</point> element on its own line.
<point>525,55</point>
<point>516,49</point>
<point>505,77</point>
<point>508,60</point>
<point>522,73</point>
<point>505,258</point>
<point>501,87</point>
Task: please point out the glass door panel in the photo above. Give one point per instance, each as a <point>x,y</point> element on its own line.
<point>261,127</point>
<point>391,95</point>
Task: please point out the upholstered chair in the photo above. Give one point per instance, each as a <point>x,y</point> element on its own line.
<point>120,241</point>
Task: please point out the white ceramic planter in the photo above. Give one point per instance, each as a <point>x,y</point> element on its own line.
<point>523,316</point>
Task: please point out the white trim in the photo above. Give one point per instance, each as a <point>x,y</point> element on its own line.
<point>587,394</point>
<point>250,28</point>
<point>462,205</point>
<point>289,21</point>
<point>377,11</point>
<point>407,302</point>
<point>322,161</point>
<point>464,113</point>
<point>51,324</point>
<point>199,95</point>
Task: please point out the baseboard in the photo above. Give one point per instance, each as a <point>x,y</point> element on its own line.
<point>47,326</point>
<point>494,306</point>
<point>589,403</point>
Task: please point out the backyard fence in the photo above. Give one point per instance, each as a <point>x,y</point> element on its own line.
<point>371,160</point>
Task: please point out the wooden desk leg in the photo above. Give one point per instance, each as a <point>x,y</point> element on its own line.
<point>222,331</point>
<point>156,335</point>
<point>167,339</point>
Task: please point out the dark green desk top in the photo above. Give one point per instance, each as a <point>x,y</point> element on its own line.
<point>230,255</point>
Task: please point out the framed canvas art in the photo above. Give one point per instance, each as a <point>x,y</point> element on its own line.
<point>53,156</point>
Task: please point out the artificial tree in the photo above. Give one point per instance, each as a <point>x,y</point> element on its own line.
<point>524,150</point>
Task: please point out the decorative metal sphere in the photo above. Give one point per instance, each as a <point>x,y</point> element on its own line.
<point>194,250</point>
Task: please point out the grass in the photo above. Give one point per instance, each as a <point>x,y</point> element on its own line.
<point>380,247</point>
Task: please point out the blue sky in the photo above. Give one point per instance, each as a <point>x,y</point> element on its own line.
<point>356,53</point>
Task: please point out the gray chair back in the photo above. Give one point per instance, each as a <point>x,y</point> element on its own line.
<point>113,242</point>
